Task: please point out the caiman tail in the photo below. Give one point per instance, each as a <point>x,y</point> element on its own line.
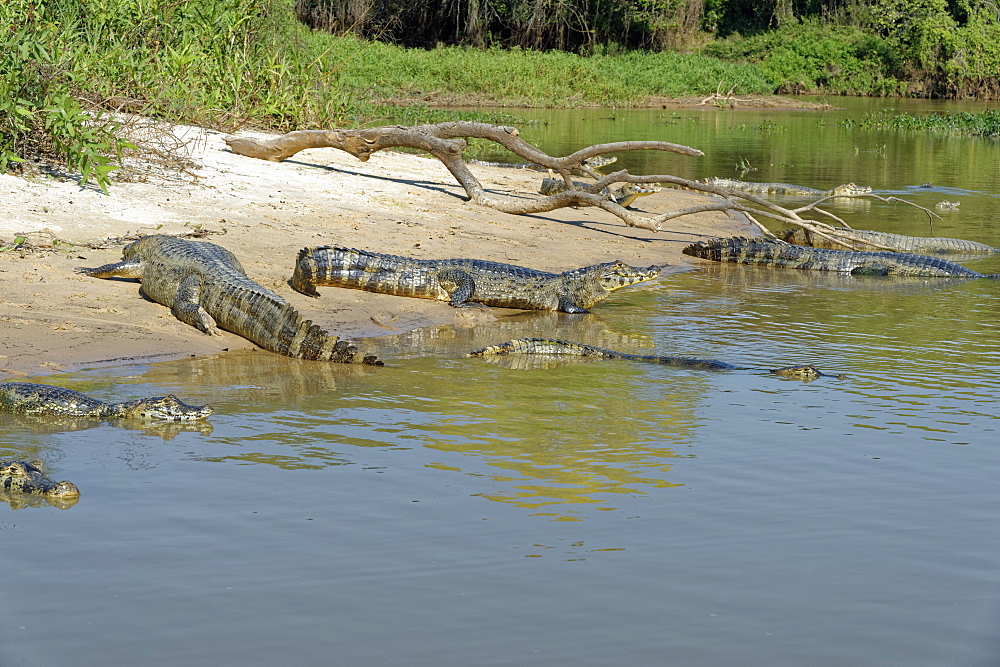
<point>349,267</point>
<point>276,326</point>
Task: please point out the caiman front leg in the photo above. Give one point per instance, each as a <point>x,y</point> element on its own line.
<point>568,306</point>
<point>463,287</point>
<point>187,307</point>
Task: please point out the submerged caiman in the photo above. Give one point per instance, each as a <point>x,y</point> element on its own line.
<point>773,252</point>
<point>205,286</point>
<point>894,242</point>
<point>27,478</point>
<point>785,189</point>
<point>624,196</point>
<point>464,282</point>
<point>28,398</point>
<point>557,347</point>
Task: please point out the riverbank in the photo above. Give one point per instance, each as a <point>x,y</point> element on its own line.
<point>57,320</point>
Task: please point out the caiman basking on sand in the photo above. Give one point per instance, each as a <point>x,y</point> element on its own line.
<point>27,398</point>
<point>624,196</point>
<point>773,252</point>
<point>26,478</point>
<point>784,189</point>
<point>464,282</point>
<point>894,242</point>
<point>561,347</point>
<point>205,286</point>
<point>592,163</point>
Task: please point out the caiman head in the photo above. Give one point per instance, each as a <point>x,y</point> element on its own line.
<point>599,161</point>
<point>585,287</point>
<point>851,189</point>
<point>615,275</point>
<point>27,477</point>
<point>166,408</point>
<point>627,194</point>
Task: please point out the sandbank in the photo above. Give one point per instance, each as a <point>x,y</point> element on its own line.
<point>53,319</point>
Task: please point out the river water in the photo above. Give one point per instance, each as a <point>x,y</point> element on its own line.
<point>445,510</point>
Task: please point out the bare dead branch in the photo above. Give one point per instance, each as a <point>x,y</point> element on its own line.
<point>446,141</point>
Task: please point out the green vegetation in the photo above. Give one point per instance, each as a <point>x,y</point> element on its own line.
<point>65,64</point>
<point>69,70</point>
<point>568,25</point>
<point>985,124</point>
<point>811,57</point>
<point>925,48</point>
<point>532,78</point>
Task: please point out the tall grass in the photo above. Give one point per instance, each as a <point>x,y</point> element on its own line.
<point>533,78</point>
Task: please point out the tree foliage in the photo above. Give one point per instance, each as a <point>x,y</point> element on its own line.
<point>933,48</point>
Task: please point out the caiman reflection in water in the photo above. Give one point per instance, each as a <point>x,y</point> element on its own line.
<point>65,424</point>
<point>549,438</point>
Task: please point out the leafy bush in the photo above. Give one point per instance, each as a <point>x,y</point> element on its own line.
<point>40,118</point>
<point>812,57</point>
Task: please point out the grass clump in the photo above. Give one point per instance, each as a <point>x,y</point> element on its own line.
<point>985,124</point>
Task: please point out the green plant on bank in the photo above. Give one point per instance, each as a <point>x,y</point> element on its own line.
<point>985,124</point>
<point>16,244</point>
<point>810,57</point>
<point>38,117</point>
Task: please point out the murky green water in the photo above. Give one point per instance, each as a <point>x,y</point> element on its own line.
<point>446,510</point>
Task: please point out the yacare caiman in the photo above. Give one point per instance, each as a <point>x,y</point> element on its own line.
<point>205,286</point>
<point>772,252</point>
<point>552,346</point>
<point>464,282</point>
<point>28,398</point>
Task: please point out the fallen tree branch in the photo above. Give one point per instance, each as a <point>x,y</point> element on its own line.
<point>447,141</point>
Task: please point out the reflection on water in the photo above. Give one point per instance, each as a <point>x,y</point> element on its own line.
<point>19,501</point>
<point>65,424</point>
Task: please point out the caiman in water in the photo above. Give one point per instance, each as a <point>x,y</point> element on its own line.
<point>893,242</point>
<point>624,196</point>
<point>28,398</point>
<point>786,189</point>
<point>464,282</point>
<point>773,252</point>
<point>561,347</point>
<point>205,286</point>
<point>25,478</point>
